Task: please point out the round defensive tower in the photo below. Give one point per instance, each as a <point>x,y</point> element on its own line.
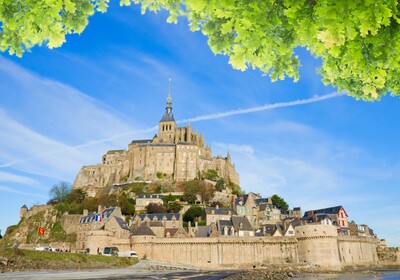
<point>318,246</point>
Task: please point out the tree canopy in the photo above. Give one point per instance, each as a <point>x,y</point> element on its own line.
<point>59,192</point>
<point>357,41</point>
<point>279,203</point>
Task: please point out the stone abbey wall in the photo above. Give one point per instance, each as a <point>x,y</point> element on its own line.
<point>314,245</point>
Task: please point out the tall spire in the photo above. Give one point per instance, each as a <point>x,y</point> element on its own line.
<point>169,98</point>
<point>168,107</point>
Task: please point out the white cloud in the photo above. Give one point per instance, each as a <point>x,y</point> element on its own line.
<point>13,190</point>
<point>54,125</point>
<point>13,178</point>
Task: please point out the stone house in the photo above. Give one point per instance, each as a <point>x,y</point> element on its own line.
<point>337,214</point>
<point>214,214</point>
<point>270,230</point>
<point>236,226</point>
<point>94,221</point>
<point>295,212</point>
<point>268,214</point>
<point>143,200</point>
<point>247,206</point>
<point>143,230</point>
<point>113,233</point>
<point>360,230</point>
<point>176,233</point>
<point>167,220</point>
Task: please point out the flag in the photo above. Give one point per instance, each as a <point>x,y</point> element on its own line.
<point>98,218</point>
<point>41,230</point>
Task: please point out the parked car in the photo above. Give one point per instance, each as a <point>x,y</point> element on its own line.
<point>110,251</point>
<point>41,249</point>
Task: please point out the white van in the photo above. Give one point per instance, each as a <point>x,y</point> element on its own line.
<point>129,254</point>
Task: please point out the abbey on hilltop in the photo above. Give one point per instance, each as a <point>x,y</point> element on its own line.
<point>175,154</point>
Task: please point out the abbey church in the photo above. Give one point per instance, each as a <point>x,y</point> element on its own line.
<point>175,154</point>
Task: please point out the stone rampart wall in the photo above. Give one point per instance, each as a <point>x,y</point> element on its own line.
<point>98,239</point>
<point>36,209</point>
<point>389,257</point>
<point>218,252</point>
<point>318,245</point>
<point>70,223</point>
<point>356,251</point>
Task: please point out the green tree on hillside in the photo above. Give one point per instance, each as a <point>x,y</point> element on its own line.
<point>155,208</point>
<point>356,40</point>
<point>59,192</point>
<point>76,196</point>
<point>193,213</point>
<point>280,203</point>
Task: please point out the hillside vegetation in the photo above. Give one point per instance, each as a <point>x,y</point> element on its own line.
<point>20,260</point>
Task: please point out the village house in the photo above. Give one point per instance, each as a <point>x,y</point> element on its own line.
<point>143,200</point>
<point>109,219</point>
<point>336,214</point>
<point>214,214</point>
<point>268,214</point>
<point>360,230</point>
<point>236,226</point>
<point>246,206</point>
<point>166,220</point>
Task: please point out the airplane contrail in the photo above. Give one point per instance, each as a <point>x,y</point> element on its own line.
<point>261,108</point>
<point>195,119</point>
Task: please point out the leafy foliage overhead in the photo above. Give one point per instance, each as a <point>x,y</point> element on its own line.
<point>358,41</point>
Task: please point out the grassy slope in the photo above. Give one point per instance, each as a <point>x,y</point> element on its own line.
<point>18,260</point>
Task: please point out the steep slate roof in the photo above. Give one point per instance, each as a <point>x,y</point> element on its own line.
<point>91,217</point>
<point>168,216</point>
<point>203,231</point>
<point>261,201</point>
<point>332,217</point>
<point>174,231</point>
<point>222,224</point>
<point>330,210</point>
<point>219,211</point>
<point>264,206</point>
<point>245,223</point>
<point>156,224</point>
<point>142,141</point>
<point>296,208</point>
<point>167,117</point>
<point>143,230</point>
<point>160,196</point>
<point>121,223</point>
<point>106,214</point>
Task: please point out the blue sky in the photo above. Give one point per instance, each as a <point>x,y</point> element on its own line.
<point>64,108</point>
